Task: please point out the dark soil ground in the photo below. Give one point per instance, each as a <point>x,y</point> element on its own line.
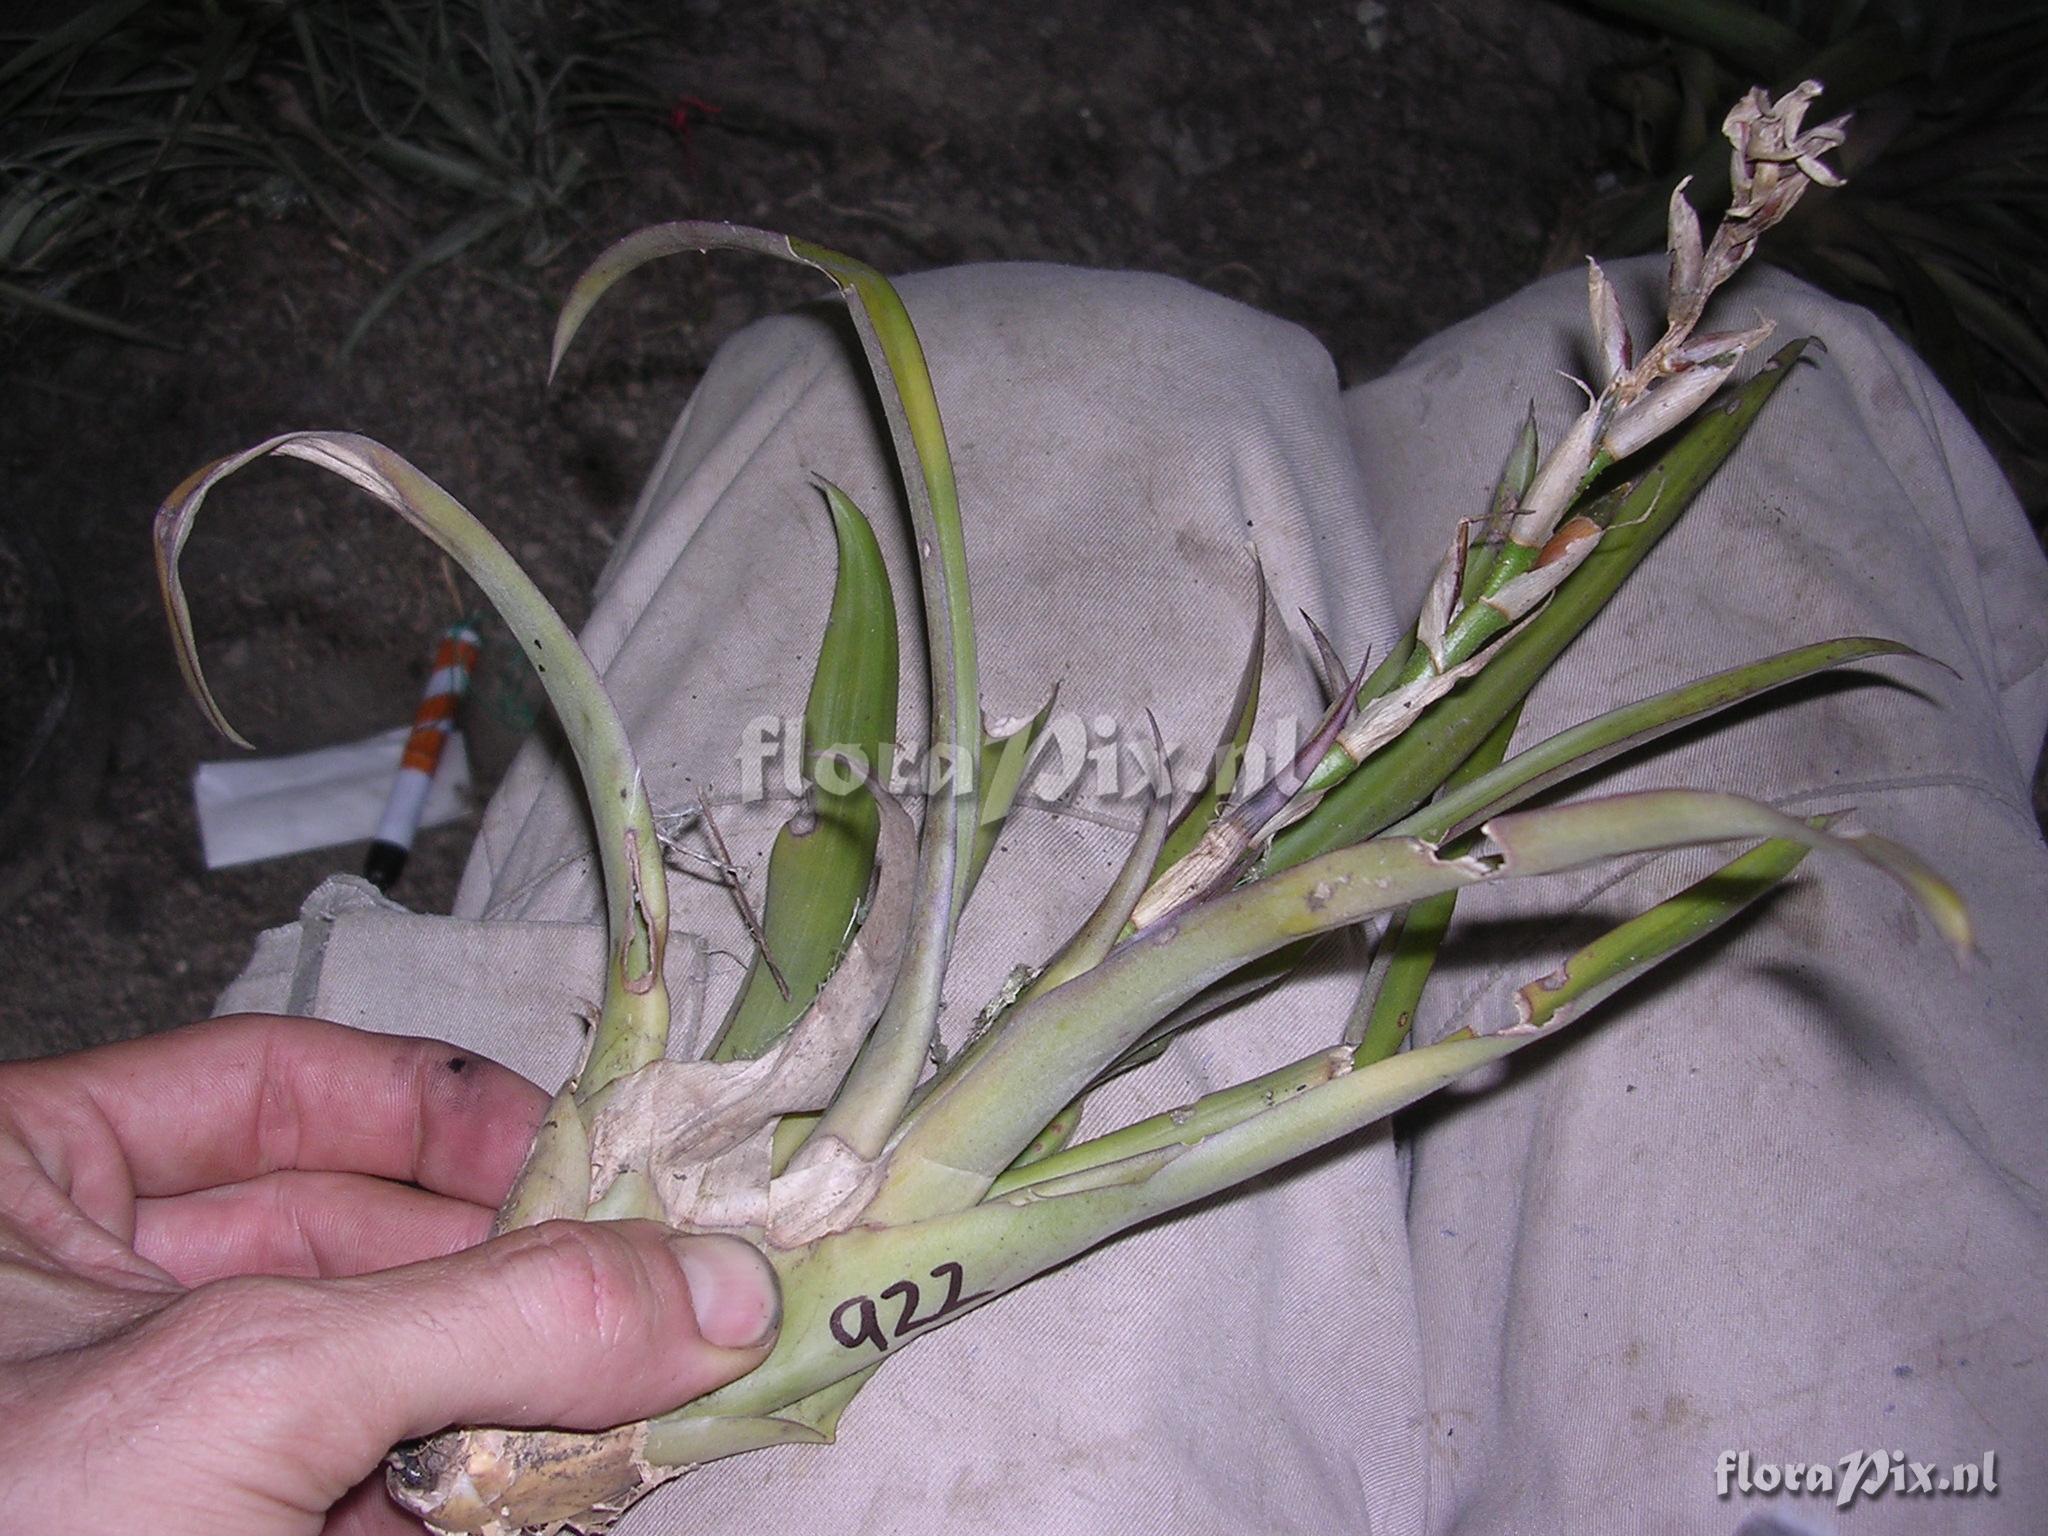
<point>1372,171</point>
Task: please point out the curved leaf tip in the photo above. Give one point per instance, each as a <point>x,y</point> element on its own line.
<point>641,247</point>
<point>173,525</point>
<point>1569,836</point>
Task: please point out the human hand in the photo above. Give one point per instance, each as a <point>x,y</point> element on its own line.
<point>230,1281</point>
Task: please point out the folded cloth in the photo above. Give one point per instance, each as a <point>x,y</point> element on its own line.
<point>1785,1200</point>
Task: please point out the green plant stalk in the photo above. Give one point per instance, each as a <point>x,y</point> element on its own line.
<point>1405,663</point>
<point>1640,400</point>
<point>1400,969</point>
<point>1408,949</point>
<point>1488,570</point>
<point>1404,774</point>
<point>819,874</point>
<point>632,1026</point>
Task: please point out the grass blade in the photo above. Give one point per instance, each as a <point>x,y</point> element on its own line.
<point>57,309</point>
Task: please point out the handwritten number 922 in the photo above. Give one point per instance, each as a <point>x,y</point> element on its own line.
<point>858,1320</point>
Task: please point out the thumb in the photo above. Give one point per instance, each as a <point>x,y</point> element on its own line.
<point>579,1325</point>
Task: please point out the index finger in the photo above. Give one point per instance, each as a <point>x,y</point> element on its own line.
<point>234,1098</point>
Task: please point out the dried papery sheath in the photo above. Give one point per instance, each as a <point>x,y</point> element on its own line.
<point>1441,600</point>
<point>1687,254</point>
<point>1561,477</point>
<point>1767,139</point>
<point>1720,346</point>
<point>1520,596</point>
<point>1611,343</point>
<point>1225,848</point>
<point>1649,416</point>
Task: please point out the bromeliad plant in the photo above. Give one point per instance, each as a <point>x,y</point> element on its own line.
<point>892,1199</point>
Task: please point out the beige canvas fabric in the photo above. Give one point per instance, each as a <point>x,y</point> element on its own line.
<point>1786,1201</point>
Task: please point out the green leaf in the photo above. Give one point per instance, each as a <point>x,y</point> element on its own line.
<point>886,1074</point>
<point>1592,742</point>
<point>1042,1215</point>
<point>1567,836</point>
<point>1000,775</point>
<point>971,1130</point>
<point>1603,967</point>
<point>633,1027</point>
<point>819,869</point>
